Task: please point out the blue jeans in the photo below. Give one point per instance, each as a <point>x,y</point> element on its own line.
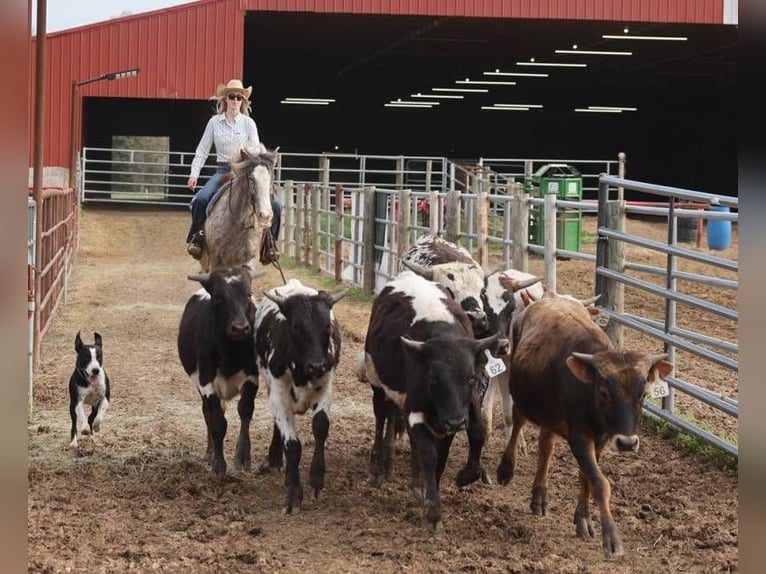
<point>200,200</point>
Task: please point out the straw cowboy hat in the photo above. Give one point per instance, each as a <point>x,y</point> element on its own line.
<point>233,86</point>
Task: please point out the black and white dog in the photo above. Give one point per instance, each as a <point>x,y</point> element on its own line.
<point>88,385</point>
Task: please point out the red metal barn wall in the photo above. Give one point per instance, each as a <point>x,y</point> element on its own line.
<point>184,51</point>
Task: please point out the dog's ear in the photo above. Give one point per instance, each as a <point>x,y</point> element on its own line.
<point>98,340</point>
<point>77,343</point>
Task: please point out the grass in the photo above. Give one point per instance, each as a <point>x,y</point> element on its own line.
<point>323,280</point>
<point>691,444</point>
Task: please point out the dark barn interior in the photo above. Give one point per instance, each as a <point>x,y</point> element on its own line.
<point>682,133</point>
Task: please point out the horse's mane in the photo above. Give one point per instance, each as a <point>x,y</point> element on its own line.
<point>252,157</point>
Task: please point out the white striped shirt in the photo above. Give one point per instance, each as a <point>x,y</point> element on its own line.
<point>228,136</point>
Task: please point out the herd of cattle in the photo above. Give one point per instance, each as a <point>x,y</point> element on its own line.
<point>444,338</point>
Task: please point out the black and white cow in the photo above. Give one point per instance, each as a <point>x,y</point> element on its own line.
<point>420,355</point>
<point>215,345</point>
<point>297,344</point>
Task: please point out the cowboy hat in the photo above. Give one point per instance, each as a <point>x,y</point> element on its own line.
<point>233,86</point>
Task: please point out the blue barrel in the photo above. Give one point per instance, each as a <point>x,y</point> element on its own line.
<point>718,230</point>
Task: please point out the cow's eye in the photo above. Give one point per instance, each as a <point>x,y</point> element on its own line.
<point>603,394</point>
<point>450,276</point>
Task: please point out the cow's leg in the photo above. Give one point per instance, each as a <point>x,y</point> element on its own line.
<point>473,470</point>
<point>380,457</point>
<point>100,412</point>
<point>507,464</point>
<point>320,427</point>
<point>276,448</point>
<point>416,471</point>
<point>488,404</point>
<point>423,443</point>
<point>293,449</point>
<point>507,401</point>
<point>584,451</point>
<point>539,504</point>
<point>245,408</point>
<point>216,425</point>
<point>583,524</point>
<point>442,450</point>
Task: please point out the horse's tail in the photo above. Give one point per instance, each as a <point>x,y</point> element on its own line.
<point>253,157</point>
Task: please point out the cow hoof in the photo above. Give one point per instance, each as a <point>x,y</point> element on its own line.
<point>612,543</point>
<point>539,504</point>
<point>294,499</point>
<point>219,467</point>
<point>418,492</point>
<point>243,465</point>
<point>85,431</point>
<point>504,473</point>
<point>583,525</point>
<point>470,474</point>
<point>433,516</point>
<point>73,444</point>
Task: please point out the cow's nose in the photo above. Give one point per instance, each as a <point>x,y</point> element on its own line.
<point>624,443</point>
<point>239,330</point>
<point>315,369</point>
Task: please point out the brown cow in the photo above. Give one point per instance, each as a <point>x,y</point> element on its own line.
<point>570,381</point>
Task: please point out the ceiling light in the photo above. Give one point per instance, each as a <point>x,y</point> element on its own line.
<point>520,74</point>
<point>324,100</point>
<point>519,105</point>
<point>505,109</point>
<point>479,90</point>
<point>442,96</point>
<point>401,101</point>
<point>305,102</point>
<point>623,109</point>
<point>412,105</point>
<point>485,82</point>
<point>621,37</point>
<point>595,52</point>
<point>552,64</point>
<point>598,110</point>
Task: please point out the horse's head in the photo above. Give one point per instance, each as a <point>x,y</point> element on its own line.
<point>256,166</point>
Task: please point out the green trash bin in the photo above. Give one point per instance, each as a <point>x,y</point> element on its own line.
<point>566,182</point>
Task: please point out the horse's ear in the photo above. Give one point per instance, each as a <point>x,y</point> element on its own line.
<point>245,154</point>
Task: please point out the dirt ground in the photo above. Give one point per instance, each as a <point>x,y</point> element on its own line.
<point>140,498</point>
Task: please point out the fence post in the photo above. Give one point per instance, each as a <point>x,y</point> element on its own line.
<point>300,216</point>
<point>482,224</point>
<point>307,223</point>
<point>610,254</point>
<point>315,247</point>
<point>288,235</point>
<point>368,272</point>
<point>549,234</point>
<point>520,228</point>
<point>451,226</point>
<point>340,198</point>
<point>433,211</point>
<point>405,208</point>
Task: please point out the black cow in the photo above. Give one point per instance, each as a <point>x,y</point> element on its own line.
<point>297,344</point>
<point>568,379</point>
<point>420,355</point>
<point>215,345</point>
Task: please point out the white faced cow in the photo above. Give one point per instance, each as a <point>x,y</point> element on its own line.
<point>215,345</point>
<point>297,344</point>
<point>421,356</point>
<point>570,381</point>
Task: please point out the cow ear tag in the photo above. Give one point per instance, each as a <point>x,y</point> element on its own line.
<point>659,389</point>
<point>601,319</point>
<point>494,365</point>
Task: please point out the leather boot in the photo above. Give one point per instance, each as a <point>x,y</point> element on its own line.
<point>196,235</point>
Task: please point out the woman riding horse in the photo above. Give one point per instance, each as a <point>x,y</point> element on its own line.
<point>230,130</point>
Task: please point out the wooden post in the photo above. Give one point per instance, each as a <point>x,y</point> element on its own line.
<point>434,211</point>
<point>482,216</point>
<point>316,246</point>
<point>614,294</point>
<point>288,235</point>
<point>368,273</point>
<point>339,210</point>
<point>451,226</point>
<point>405,208</point>
<point>300,217</point>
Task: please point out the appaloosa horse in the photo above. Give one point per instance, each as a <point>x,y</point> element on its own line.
<point>241,212</point>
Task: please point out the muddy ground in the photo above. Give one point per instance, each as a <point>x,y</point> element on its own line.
<point>140,497</point>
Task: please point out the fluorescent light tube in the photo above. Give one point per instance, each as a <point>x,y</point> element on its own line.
<point>442,96</point>
<point>485,82</point>
<point>629,37</point>
<point>479,90</point>
<point>595,52</point>
<point>552,64</point>
<point>520,74</point>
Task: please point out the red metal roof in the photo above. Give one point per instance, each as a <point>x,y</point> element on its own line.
<point>184,51</point>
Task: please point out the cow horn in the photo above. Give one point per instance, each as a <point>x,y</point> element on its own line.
<point>591,301</point>
<point>254,273</point>
<point>485,343</point>
<point>518,284</point>
<point>278,299</point>
<point>335,297</point>
<point>497,269</point>
<point>200,277</point>
<point>585,357</point>
<point>654,359</point>
<point>412,344</point>
<point>424,272</point>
